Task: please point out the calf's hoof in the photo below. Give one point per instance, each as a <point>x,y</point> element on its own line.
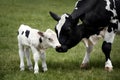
<point>44,70</point>
<point>22,69</point>
<point>36,72</point>
<point>30,68</point>
<point>109,69</point>
<point>84,66</point>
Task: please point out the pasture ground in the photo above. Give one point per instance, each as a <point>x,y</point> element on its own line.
<point>61,66</point>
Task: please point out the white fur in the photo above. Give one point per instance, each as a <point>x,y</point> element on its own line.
<point>109,36</point>
<point>49,39</point>
<point>89,48</point>
<point>108,65</point>
<point>89,43</point>
<point>61,23</point>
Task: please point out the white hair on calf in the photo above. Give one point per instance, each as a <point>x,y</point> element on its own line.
<point>38,42</point>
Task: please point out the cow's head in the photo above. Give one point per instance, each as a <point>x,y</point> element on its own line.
<point>68,32</point>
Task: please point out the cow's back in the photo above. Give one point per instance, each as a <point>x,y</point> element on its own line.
<point>27,35</point>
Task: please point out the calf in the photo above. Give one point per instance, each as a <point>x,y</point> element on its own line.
<point>38,42</point>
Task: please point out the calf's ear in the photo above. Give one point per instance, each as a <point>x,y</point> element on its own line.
<point>54,16</point>
<point>41,34</point>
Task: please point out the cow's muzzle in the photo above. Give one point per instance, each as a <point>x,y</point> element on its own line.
<point>62,49</point>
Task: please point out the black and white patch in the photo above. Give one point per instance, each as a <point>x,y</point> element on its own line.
<point>61,23</point>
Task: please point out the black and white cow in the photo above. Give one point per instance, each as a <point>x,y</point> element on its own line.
<point>38,42</point>
<point>95,16</point>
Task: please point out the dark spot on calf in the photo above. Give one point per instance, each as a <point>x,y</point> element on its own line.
<point>41,34</point>
<point>27,33</point>
<point>22,32</point>
<point>40,40</point>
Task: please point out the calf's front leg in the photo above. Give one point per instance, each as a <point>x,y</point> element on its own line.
<point>36,57</point>
<point>43,59</point>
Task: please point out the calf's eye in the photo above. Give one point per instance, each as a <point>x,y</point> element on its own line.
<point>50,39</point>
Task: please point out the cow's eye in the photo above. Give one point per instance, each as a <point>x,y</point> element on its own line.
<point>50,39</point>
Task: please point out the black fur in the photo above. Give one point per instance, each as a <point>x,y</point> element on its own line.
<point>27,33</point>
<point>22,32</point>
<point>106,48</point>
<point>40,40</point>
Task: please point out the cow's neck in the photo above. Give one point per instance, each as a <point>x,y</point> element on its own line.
<point>80,31</point>
<point>76,36</point>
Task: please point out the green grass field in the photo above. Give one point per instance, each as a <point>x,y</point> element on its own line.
<point>61,66</point>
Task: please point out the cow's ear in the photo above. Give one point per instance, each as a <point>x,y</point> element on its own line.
<point>54,16</point>
<point>41,34</point>
<point>70,17</point>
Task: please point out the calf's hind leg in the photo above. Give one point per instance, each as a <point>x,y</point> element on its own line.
<point>27,55</point>
<point>21,55</point>
<point>36,57</point>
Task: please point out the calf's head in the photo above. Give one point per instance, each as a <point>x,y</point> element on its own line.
<point>49,39</point>
<point>68,32</point>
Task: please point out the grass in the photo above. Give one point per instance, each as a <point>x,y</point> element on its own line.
<point>64,66</point>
